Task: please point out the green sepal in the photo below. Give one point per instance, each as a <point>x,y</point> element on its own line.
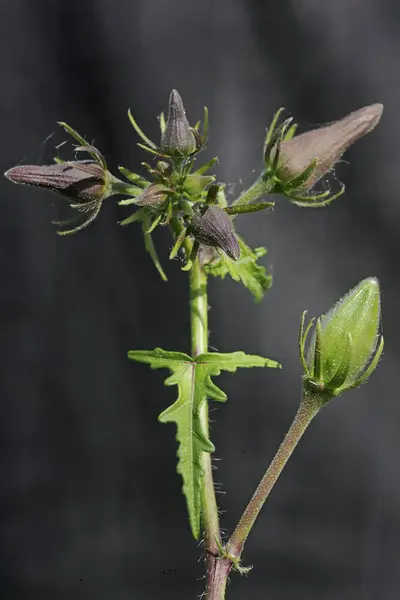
<point>133,177</point>
<point>152,150</point>
<point>163,124</point>
<point>246,270</point>
<point>248,208</point>
<point>342,373</point>
<point>271,129</point>
<point>368,372</point>
<point>317,352</point>
<point>140,132</point>
<point>204,131</point>
<point>84,146</point>
<point>206,167</point>
<point>300,180</point>
<point>154,223</point>
<point>132,199</point>
<point>72,132</point>
<point>303,334</point>
<point>149,245</point>
<point>290,133</point>
<point>138,215</point>
<point>193,378</point>
<point>195,184</point>
<point>178,243</point>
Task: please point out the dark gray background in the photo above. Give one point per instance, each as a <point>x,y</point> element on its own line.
<point>90,504</point>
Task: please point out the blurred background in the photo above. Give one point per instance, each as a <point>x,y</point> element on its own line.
<point>90,504</point>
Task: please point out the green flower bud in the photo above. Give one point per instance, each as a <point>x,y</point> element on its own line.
<point>345,346</point>
<point>325,146</point>
<point>215,228</point>
<point>178,137</point>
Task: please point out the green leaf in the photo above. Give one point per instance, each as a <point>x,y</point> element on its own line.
<point>217,361</point>
<point>246,270</point>
<point>193,378</point>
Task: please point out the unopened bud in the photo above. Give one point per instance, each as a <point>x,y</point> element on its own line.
<point>84,183</point>
<point>326,145</point>
<point>152,196</point>
<point>165,168</point>
<point>215,228</point>
<point>80,181</point>
<point>345,346</point>
<point>195,184</point>
<point>177,138</point>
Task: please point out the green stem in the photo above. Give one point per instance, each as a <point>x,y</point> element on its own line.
<point>199,331</point>
<point>126,189</point>
<point>260,188</point>
<point>309,407</point>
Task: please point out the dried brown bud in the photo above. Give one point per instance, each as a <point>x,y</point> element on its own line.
<point>177,138</point>
<point>80,181</point>
<point>326,144</point>
<point>152,196</point>
<point>215,228</point>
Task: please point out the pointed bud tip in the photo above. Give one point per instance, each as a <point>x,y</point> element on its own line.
<point>12,174</point>
<point>178,136</point>
<point>369,282</point>
<point>373,281</point>
<point>372,115</point>
<point>175,99</point>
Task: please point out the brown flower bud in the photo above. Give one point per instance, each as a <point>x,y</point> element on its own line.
<point>80,181</point>
<point>326,145</point>
<point>177,138</point>
<point>215,228</point>
<point>84,183</point>
<point>152,196</point>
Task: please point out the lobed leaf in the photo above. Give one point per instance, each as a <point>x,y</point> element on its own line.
<point>192,376</point>
<point>245,270</point>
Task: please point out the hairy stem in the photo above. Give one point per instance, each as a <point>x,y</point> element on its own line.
<point>260,188</point>
<point>218,578</point>
<point>309,407</point>
<point>199,329</point>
